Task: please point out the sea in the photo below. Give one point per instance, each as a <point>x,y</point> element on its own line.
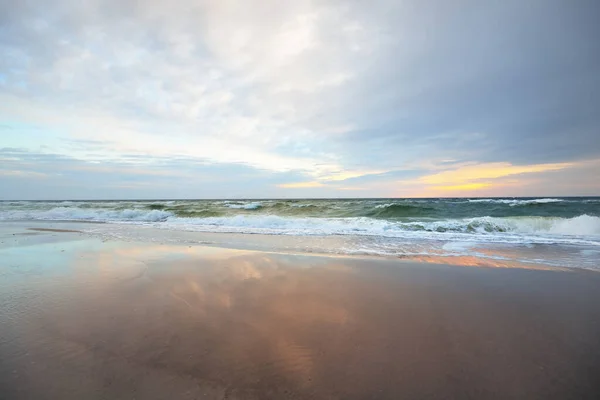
<point>558,232</point>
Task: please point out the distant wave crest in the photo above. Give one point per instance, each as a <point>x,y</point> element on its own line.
<point>516,202</point>
<point>245,206</point>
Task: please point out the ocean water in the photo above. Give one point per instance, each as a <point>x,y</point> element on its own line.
<point>554,231</point>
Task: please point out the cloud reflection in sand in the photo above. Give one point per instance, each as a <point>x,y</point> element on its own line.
<point>193,320</point>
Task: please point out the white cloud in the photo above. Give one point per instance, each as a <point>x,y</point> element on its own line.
<point>207,79</point>
<point>327,89</point>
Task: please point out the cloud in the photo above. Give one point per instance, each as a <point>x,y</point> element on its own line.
<point>23,174</point>
<point>461,187</point>
<point>346,94</point>
<point>301,185</point>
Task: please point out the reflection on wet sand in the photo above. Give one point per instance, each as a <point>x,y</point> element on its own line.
<point>146,321</point>
<point>472,261</point>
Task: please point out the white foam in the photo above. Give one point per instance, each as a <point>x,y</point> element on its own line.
<point>580,230</point>
<point>78,214</point>
<point>516,202</point>
<point>582,225</point>
<point>245,206</point>
<point>457,246</point>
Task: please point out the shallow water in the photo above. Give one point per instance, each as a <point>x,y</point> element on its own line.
<point>443,250</point>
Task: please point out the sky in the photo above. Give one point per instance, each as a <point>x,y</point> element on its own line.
<point>123,99</point>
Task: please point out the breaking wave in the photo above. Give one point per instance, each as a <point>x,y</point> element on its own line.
<point>516,202</point>
<point>244,206</point>
<point>553,231</point>
<point>79,214</point>
<point>397,210</point>
<point>580,226</point>
<point>501,220</point>
<point>580,229</point>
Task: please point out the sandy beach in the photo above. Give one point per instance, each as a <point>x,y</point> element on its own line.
<point>83,318</point>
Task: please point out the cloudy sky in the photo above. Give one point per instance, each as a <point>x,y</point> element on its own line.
<point>234,98</point>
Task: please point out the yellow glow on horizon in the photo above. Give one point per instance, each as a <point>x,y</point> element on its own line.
<point>475,179</point>
<point>468,186</point>
<point>466,175</point>
<point>342,176</point>
<point>299,185</point>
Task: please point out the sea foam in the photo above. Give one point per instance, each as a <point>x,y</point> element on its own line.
<point>516,202</point>
<point>245,206</point>
<point>79,214</point>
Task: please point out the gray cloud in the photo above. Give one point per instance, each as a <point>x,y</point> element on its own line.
<point>523,77</point>
<point>25,174</point>
<point>385,85</point>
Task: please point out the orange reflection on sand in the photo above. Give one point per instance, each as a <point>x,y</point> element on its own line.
<point>473,261</point>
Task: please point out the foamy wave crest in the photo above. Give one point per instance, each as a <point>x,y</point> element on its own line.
<point>584,229</point>
<point>273,224</point>
<point>583,225</point>
<point>245,206</point>
<point>384,205</point>
<point>516,202</point>
<point>78,214</point>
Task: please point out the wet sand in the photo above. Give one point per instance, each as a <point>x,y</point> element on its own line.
<point>86,319</point>
<point>53,230</point>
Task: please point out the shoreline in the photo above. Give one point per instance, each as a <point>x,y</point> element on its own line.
<point>483,255</point>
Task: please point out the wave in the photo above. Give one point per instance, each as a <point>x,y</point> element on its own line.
<point>398,210</point>
<point>583,225</point>
<point>301,205</point>
<point>515,202</point>
<point>78,214</point>
<point>184,213</point>
<point>245,206</point>
<point>385,205</point>
<point>584,228</point>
